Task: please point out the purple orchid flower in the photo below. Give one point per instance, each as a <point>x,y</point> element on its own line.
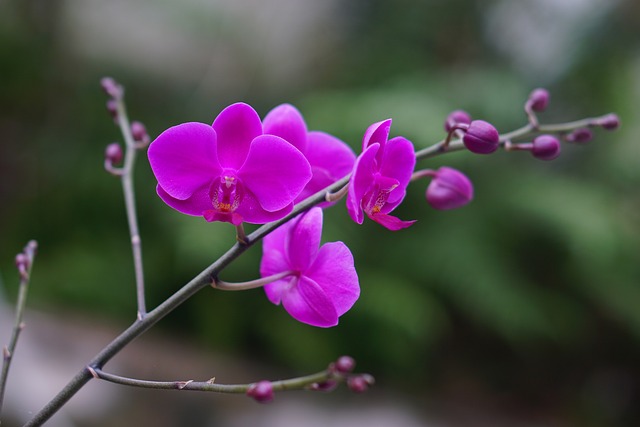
<point>323,284</point>
<point>380,177</point>
<point>329,157</point>
<point>229,171</point>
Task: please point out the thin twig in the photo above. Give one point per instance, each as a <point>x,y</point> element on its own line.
<point>18,326</point>
<point>297,383</point>
<point>126,175</point>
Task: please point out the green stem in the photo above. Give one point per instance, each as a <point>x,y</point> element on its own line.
<point>297,383</point>
<point>252,284</point>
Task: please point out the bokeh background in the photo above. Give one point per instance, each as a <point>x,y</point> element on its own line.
<point>522,309</point>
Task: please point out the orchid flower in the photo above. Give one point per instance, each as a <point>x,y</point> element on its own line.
<point>229,171</point>
<point>322,283</point>
<point>329,157</point>
<point>380,177</point>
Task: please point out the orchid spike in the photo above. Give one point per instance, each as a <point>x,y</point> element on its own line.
<point>323,284</point>
<point>329,157</point>
<point>229,171</point>
<point>380,177</point>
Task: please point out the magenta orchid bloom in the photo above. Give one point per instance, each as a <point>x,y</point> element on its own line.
<point>229,171</point>
<point>329,157</point>
<point>323,283</point>
<point>380,177</point>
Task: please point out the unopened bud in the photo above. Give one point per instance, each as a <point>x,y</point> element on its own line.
<point>538,100</point>
<point>481,137</point>
<point>22,263</point>
<point>139,132</point>
<point>112,108</point>
<point>111,87</point>
<point>545,147</point>
<point>360,383</point>
<point>261,391</point>
<point>609,122</point>
<point>345,364</point>
<point>113,153</point>
<point>580,135</point>
<point>456,117</point>
<point>325,386</point>
<point>449,189</point>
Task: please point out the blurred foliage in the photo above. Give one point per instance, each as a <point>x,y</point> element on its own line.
<point>533,289</point>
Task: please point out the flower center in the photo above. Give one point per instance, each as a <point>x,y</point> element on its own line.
<point>226,196</point>
<point>378,193</point>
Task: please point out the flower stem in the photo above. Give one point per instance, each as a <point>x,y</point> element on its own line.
<point>521,133</point>
<point>252,284</point>
<point>126,177</point>
<point>140,326</point>
<point>297,383</point>
<point>7,351</point>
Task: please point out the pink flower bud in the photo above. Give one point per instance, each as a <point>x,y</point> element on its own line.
<point>545,147</point>
<point>481,137</point>
<point>325,386</point>
<point>449,189</point>
<point>261,391</point>
<point>139,132</point>
<point>111,87</point>
<point>345,364</point>
<point>112,108</point>
<point>538,100</point>
<point>580,135</point>
<point>360,383</point>
<point>22,263</point>
<point>456,117</point>
<point>609,122</point>
<point>113,153</point>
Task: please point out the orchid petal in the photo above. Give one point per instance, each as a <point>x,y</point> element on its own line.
<point>275,172</point>
<point>183,159</point>
<point>330,160</point>
<point>286,122</point>
<point>398,162</point>
<point>276,289</point>
<point>308,303</point>
<point>334,271</point>
<point>304,239</point>
<point>252,211</point>
<point>377,133</point>
<point>363,176</point>
<point>236,126</point>
<point>390,222</point>
<point>194,205</point>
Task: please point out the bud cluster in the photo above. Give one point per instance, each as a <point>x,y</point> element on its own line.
<point>25,258</point>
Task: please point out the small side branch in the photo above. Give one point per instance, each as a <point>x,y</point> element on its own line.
<point>24,262</point>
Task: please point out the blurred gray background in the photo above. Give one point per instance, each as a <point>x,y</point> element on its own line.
<point>521,309</point>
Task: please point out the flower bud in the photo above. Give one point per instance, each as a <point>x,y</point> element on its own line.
<point>360,383</point>
<point>456,117</point>
<point>345,364</point>
<point>545,147</point>
<point>261,391</point>
<point>22,263</point>
<point>580,135</point>
<point>325,386</point>
<point>112,108</point>
<point>609,122</point>
<point>538,100</point>
<point>139,132</point>
<point>449,189</point>
<point>111,87</point>
<point>113,153</point>
<point>481,137</point>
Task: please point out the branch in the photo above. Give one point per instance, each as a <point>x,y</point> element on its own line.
<point>24,262</point>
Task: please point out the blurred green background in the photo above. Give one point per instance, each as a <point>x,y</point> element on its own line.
<point>529,298</point>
